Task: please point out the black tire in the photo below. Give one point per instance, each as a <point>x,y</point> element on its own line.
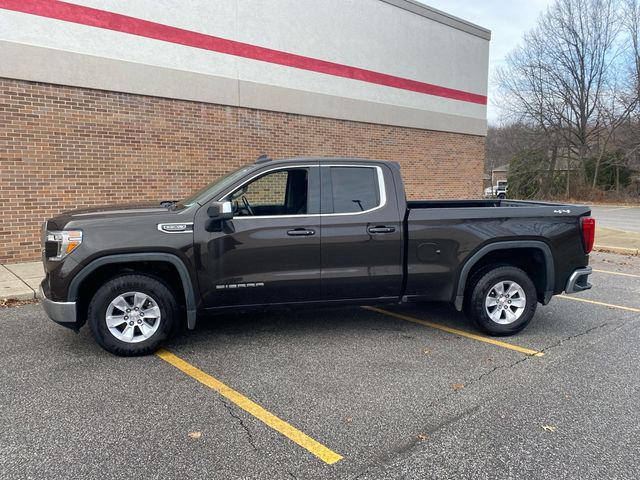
<point>502,196</point>
<point>147,285</point>
<point>481,286</point>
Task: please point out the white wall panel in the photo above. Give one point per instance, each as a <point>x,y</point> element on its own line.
<point>215,17</point>
<point>367,34</point>
<point>71,37</point>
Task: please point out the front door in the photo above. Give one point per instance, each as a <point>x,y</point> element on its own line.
<point>269,253</point>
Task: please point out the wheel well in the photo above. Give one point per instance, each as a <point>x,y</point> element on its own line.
<point>531,260</point>
<point>164,271</point>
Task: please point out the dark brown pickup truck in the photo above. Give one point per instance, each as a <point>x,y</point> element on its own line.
<point>306,231</point>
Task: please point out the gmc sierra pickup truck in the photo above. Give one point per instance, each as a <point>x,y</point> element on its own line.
<point>306,231</point>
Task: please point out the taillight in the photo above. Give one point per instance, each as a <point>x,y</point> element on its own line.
<point>588,232</point>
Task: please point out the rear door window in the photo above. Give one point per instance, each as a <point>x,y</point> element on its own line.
<point>351,189</point>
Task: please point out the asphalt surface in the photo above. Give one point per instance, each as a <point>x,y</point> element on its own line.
<point>396,399</point>
<point>619,217</point>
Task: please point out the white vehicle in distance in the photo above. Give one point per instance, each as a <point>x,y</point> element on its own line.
<point>499,190</point>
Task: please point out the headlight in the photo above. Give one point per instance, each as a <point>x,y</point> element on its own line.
<point>61,243</point>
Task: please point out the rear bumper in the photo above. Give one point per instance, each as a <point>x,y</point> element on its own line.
<point>63,313</point>
<point>578,281</point>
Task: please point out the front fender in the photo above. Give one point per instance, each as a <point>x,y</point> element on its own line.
<point>183,271</point>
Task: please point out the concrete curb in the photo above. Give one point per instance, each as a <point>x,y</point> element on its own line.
<point>618,250</point>
<point>26,294</point>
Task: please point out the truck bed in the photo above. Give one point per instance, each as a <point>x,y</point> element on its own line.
<point>444,234</point>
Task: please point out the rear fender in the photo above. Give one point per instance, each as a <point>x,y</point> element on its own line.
<point>476,257</point>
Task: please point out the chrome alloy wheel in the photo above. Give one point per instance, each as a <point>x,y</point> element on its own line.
<point>505,302</point>
<point>133,317</point>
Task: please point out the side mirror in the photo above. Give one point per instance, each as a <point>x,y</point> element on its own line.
<point>220,211</point>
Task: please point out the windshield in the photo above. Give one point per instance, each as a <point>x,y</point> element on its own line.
<point>220,184</point>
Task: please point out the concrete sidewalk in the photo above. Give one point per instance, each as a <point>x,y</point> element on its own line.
<point>20,281</point>
<point>617,241</point>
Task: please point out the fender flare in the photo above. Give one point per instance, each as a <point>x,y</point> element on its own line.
<point>187,284</point>
<point>476,257</point>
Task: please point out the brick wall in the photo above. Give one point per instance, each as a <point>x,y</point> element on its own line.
<point>65,147</point>
<point>268,190</point>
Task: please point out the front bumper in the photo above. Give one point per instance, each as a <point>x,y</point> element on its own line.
<point>63,313</point>
<point>578,280</point>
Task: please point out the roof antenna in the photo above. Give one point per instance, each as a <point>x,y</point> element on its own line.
<point>263,159</point>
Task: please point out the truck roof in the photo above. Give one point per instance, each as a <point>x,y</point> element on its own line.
<point>263,159</point>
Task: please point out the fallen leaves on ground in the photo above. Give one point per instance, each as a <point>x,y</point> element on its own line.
<point>12,302</point>
<point>549,428</point>
<point>422,437</point>
<point>457,386</point>
<point>195,435</point>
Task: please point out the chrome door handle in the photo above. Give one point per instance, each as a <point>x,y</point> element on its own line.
<point>301,232</point>
<point>381,229</point>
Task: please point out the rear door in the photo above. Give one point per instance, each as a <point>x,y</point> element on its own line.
<point>361,248</point>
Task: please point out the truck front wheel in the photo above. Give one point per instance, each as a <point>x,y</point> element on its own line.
<point>503,300</point>
<point>132,315</point>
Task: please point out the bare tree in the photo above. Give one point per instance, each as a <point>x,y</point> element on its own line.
<point>631,22</point>
<point>618,106</point>
<point>503,143</point>
<point>526,100</point>
<point>568,80</point>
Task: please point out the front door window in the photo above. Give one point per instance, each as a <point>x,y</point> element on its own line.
<point>283,192</point>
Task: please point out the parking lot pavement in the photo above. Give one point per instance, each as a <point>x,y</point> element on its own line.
<point>617,217</point>
<point>392,397</point>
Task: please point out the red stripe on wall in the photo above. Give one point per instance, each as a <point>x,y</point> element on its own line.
<point>93,17</point>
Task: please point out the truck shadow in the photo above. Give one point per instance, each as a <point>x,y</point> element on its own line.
<point>343,321</point>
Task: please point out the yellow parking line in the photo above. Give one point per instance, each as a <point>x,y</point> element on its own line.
<point>462,333</point>
<point>610,305</point>
<point>617,273</point>
<point>323,453</point>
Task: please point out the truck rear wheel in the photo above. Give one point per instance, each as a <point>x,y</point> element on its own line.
<point>132,315</point>
<point>503,300</point>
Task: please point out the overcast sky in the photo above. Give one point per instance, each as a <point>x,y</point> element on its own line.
<point>507,20</point>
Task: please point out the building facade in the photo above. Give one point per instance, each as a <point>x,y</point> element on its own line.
<point>106,101</point>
